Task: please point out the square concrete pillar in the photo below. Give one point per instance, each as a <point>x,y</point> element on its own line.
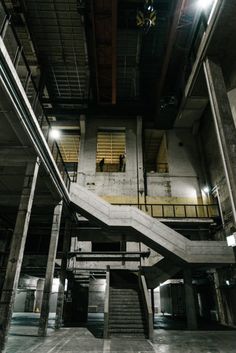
<point>17,250</point>
<point>43,322</point>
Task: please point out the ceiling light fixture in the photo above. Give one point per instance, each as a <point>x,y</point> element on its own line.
<point>231,240</point>
<point>146,18</point>
<point>55,134</point>
<point>206,189</point>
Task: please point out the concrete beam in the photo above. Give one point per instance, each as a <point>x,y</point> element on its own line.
<point>224,125</point>
<point>202,50</point>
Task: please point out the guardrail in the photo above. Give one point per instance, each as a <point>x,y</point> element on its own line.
<point>147,305</point>
<point>106,305</point>
<point>177,210</point>
<point>16,53</point>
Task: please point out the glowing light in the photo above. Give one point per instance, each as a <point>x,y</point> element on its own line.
<point>231,240</point>
<point>206,189</point>
<point>55,134</point>
<point>204,4</point>
<point>55,285</point>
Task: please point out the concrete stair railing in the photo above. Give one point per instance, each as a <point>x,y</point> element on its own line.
<point>148,230</point>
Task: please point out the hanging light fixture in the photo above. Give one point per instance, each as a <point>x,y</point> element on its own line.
<point>147,17</point>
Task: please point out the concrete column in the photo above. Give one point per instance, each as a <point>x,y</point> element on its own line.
<point>224,125</point>
<point>43,322</point>
<point>139,154</point>
<point>82,161</point>
<point>219,299</point>
<point>39,295</point>
<point>189,300</point>
<point>17,250</point>
<point>153,302</point>
<point>60,298</point>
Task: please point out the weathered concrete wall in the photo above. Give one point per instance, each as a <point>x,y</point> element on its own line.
<point>180,185</point>
<point>96,295</point>
<point>108,183</point>
<point>214,167</point>
<point>29,288</point>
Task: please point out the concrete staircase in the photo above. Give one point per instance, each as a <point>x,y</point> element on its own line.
<point>83,278</point>
<point>160,272</point>
<point>126,307</point>
<point>141,227</point>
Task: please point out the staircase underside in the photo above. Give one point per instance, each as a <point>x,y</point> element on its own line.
<point>141,227</point>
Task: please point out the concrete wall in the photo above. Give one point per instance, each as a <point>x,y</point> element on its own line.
<point>108,183</point>
<point>96,295</point>
<point>31,289</point>
<point>214,167</point>
<point>19,305</point>
<point>180,185</point>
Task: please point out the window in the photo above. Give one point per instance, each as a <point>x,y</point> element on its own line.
<point>155,151</point>
<point>110,148</point>
<point>69,144</point>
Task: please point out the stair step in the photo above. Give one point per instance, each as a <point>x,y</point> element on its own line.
<point>127,330</point>
<point>128,316</point>
<point>130,289</point>
<point>122,302</point>
<point>129,294</point>
<point>124,307</point>
<point>126,321</point>
<point>121,298</point>
<point>117,314</point>
<point>136,335</point>
<point>122,328</point>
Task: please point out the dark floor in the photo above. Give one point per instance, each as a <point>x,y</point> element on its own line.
<point>168,322</point>
<point>23,338</point>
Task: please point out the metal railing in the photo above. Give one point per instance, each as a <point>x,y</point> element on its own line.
<point>16,53</point>
<point>178,210</point>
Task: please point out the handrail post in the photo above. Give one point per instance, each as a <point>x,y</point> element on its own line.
<point>106,305</point>
<point>148,305</point>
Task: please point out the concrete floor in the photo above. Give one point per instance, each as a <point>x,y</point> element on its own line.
<point>23,338</point>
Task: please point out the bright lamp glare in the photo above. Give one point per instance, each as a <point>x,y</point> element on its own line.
<point>204,4</point>
<point>206,189</point>
<point>231,240</point>
<point>55,134</point>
